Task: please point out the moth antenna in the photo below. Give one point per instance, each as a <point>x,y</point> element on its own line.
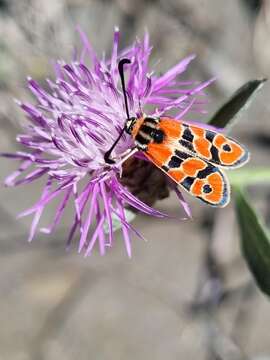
<point>122,77</point>
<point>121,64</point>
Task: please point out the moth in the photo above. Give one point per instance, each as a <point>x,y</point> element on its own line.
<point>192,156</point>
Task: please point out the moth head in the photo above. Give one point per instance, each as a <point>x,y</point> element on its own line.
<point>130,124</point>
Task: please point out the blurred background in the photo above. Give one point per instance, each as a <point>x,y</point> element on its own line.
<point>186,293</point>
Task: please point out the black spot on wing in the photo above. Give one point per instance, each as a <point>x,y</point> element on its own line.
<point>207,189</point>
<point>187,139</point>
<point>158,136</point>
<point>227,148</point>
<point>210,135</point>
<point>187,182</point>
<point>215,155</point>
<point>175,162</point>
<point>187,135</point>
<point>187,145</point>
<point>182,155</point>
<point>202,174</point>
<point>165,168</point>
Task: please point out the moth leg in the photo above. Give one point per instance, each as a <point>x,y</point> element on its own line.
<point>127,155</point>
<point>127,152</point>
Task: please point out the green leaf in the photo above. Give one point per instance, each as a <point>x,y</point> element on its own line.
<point>239,102</point>
<point>255,242</point>
<point>249,176</point>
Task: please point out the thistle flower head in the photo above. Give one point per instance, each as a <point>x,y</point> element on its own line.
<point>76,119</point>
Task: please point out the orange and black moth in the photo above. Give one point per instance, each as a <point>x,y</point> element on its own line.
<point>192,156</point>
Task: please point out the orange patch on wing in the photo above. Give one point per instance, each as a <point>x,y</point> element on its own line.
<point>197,131</point>
<point>196,188</point>
<point>202,146</point>
<point>219,140</point>
<point>192,166</point>
<point>177,175</point>
<point>158,153</point>
<point>232,156</point>
<point>216,182</point>
<point>171,128</point>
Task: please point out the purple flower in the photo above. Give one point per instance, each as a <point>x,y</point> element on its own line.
<point>73,124</point>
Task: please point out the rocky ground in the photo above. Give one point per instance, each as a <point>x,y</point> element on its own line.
<point>160,304</point>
